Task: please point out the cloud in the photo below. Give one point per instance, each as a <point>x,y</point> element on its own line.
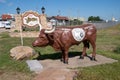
<point>2,1</point>
<point>10,4</point>
<point>6,3</point>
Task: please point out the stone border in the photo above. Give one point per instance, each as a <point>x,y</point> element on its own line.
<point>75,62</point>
<point>24,34</point>
<point>56,70</point>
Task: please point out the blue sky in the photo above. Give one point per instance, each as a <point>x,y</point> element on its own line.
<point>82,8</point>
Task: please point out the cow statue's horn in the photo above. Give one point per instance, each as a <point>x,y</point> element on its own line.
<point>50,31</point>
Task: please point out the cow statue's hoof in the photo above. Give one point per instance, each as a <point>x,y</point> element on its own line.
<point>81,57</point>
<point>61,60</point>
<point>93,59</point>
<point>65,62</point>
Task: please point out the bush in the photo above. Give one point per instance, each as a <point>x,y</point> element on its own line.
<point>16,31</point>
<point>117,50</point>
<point>31,28</point>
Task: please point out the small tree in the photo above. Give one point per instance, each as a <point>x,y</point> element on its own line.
<point>94,18</point>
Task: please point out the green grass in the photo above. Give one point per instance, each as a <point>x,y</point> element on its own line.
<point>6,62</point>
<point>108,44</point>
<point>101,72</point>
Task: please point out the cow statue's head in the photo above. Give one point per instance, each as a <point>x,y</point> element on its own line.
<point>43,39</point>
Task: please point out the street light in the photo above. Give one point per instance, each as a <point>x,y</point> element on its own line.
<point>18,10</point>
<point>43,10</point>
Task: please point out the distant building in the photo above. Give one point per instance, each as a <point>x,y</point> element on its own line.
<point>6,17</point>
<point>113,19</point>
<point>0,18</point>
<point>79,18</point>
<point>59,20</point>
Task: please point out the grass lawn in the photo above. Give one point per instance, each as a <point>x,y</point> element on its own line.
<point>108,44</point>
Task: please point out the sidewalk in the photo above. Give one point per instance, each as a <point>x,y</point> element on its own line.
<point>56,70</point>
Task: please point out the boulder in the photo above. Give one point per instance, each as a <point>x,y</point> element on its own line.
<point>21,52</point>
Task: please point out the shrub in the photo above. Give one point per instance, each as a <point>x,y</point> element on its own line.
<point>31,28</point>
<point>16,31</point>
<point>117,50</point>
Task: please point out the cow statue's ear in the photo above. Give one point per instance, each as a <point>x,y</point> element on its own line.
<point>42,31</point>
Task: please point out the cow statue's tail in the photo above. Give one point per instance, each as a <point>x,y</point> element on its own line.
<point>86,44</point>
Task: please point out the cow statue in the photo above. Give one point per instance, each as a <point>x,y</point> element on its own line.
<point>62,38</point>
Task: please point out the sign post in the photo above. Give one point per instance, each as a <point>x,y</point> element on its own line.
<point>21,36</point>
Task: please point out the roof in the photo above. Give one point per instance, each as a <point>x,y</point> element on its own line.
<point>60,18</point>
<point>6,16</point>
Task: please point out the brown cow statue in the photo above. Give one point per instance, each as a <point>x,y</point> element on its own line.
<point>62,38</point>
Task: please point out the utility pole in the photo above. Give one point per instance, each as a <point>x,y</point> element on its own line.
<point>59,12</point>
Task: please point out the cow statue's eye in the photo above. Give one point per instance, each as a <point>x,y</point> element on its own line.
<point>42,38</point>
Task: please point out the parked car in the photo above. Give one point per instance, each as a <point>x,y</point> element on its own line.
<point>7,26</point>
<point>2,25</point>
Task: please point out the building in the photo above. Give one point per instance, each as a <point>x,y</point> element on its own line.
<point>113,19</point>
<point>7,17</point>
<point>59,20</point>
<point>79,18</point>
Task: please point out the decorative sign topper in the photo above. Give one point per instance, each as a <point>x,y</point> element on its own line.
<point>31,19</point>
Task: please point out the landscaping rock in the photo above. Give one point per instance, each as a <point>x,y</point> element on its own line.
<point>34,65</point>
<point>21,52</point>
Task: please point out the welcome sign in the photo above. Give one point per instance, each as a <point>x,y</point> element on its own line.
<point>31,19</point>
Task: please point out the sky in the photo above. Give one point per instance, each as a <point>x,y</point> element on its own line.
<point>105,9</point>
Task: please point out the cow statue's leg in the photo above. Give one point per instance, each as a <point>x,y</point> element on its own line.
<point>65,56</point>
<point>93,43</point>
<point>86,45</point>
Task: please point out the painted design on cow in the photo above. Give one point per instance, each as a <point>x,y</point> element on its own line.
<point>61,39</point>
<point>78,34</point>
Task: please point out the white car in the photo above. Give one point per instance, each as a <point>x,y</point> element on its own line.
<point>2,25</point>
<point>7,25</point>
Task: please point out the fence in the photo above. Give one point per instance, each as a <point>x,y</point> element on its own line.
<point>99,24</point>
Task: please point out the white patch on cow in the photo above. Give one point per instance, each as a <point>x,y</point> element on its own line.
<point>89,33</point>
<point>65,29</point>
<point>78,34</point>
